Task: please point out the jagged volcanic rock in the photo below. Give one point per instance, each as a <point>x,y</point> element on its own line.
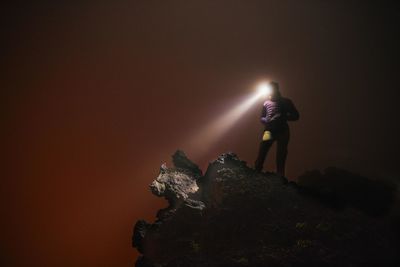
<point>234,216</point>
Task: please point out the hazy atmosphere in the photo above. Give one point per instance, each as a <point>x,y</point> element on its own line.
<point>95,96</point>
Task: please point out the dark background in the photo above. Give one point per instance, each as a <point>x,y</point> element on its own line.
<point>96,95</point>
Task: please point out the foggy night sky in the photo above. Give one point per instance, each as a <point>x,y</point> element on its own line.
<point>96,96</point>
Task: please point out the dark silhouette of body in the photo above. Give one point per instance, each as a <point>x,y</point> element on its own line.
<point>276,112</point>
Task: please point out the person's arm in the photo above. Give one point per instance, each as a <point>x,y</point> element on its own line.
<point>292,113</point>
<point>264,118</point>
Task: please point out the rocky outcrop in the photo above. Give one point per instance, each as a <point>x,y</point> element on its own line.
<point>235,216</point>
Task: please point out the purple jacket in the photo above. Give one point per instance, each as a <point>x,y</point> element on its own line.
<point>276,112</point>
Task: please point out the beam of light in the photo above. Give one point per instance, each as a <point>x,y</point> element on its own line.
<point>205,138</point>
<point>264,88</point>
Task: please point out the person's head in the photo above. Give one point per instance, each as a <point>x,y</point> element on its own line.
<point>275,89</point>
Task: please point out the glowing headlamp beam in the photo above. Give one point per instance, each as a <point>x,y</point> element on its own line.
<point>208,136</point>
<point>264,88</point>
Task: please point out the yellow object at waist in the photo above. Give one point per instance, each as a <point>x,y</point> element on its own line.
<point>267,136</point>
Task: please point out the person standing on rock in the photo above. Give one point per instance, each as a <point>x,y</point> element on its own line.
<point>276,112</point>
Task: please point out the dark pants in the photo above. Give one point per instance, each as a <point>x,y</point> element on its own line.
<point>282,139</point>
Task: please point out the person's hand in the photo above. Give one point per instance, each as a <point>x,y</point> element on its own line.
<point>264,120</point>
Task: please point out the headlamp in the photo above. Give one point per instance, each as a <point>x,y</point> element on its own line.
<point>264,88</point>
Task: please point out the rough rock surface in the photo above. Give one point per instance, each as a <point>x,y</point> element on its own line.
<point>234,216</point>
